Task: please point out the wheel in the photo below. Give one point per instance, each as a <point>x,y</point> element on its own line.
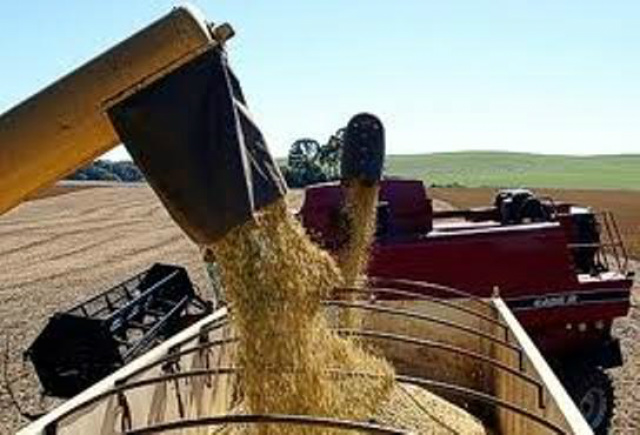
<point>592,391</point>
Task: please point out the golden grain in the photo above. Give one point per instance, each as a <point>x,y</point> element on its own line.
<point>289,359</point>
<point>360,207</point>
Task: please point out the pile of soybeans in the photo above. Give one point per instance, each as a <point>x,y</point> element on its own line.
<point>289,359</point>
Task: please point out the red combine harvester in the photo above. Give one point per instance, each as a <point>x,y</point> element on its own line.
<point>561,268</point>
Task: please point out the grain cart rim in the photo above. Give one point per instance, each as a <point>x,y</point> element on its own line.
<point>304,420</point>
<point>223,321</point>
<point>220,322</point>
<point>121,386</point>
<point>413,380</point>
<point>419,296</point>
<point>423,317</point>
<point>430,286</point>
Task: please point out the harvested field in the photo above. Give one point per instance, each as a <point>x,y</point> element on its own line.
<point>61,249</point>
<point>626,207</point>
<point>56,190</point>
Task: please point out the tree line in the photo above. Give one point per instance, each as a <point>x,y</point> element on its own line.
<point>106,170</point>
<point>308,162</point>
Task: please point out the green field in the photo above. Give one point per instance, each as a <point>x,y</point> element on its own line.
<point>504,169</point>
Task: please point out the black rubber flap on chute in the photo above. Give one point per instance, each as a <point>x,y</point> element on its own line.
<point>193,138</point>
<point>363,149</point>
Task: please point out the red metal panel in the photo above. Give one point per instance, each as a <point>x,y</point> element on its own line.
<point>518,260</point>
<point>410,209</point>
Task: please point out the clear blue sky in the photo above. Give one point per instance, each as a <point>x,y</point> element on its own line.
<point>551,76</point>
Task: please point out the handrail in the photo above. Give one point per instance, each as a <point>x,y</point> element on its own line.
<point>431,286</point>
<point>453,349</point>
<point>609,234</point>
<point>618,237</point>
<point>612,248</point>
<point>358,333</point>
<point>423,317</point>
<point>423,297</point>
<point>591,245</point>
<point>334,423</point>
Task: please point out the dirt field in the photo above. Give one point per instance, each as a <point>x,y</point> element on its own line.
<point>59,250</point>
<point>626,379</point>
<point>626,208</point>
<point>55,191</point>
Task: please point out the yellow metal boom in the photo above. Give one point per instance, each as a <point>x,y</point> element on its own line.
<point>65,126</point>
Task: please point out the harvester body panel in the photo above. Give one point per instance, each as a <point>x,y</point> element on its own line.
<point>531,265</point>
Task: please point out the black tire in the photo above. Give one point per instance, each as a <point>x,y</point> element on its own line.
<point>592,391</point>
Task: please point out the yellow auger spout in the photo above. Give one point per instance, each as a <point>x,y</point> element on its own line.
<point>65,125</point>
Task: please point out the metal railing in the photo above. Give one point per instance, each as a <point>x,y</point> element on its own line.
<point>610,251</point>
<point>201,342</point>
<point>613,245</point>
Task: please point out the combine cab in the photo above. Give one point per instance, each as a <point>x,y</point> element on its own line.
<point>561,268</point>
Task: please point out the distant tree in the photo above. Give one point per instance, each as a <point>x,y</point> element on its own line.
<point>309,162</point>
<point>330,155</point>
<point>303,167</point>
<point>127,171</point>
<point>303,153</point>
<point>105,170</point>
